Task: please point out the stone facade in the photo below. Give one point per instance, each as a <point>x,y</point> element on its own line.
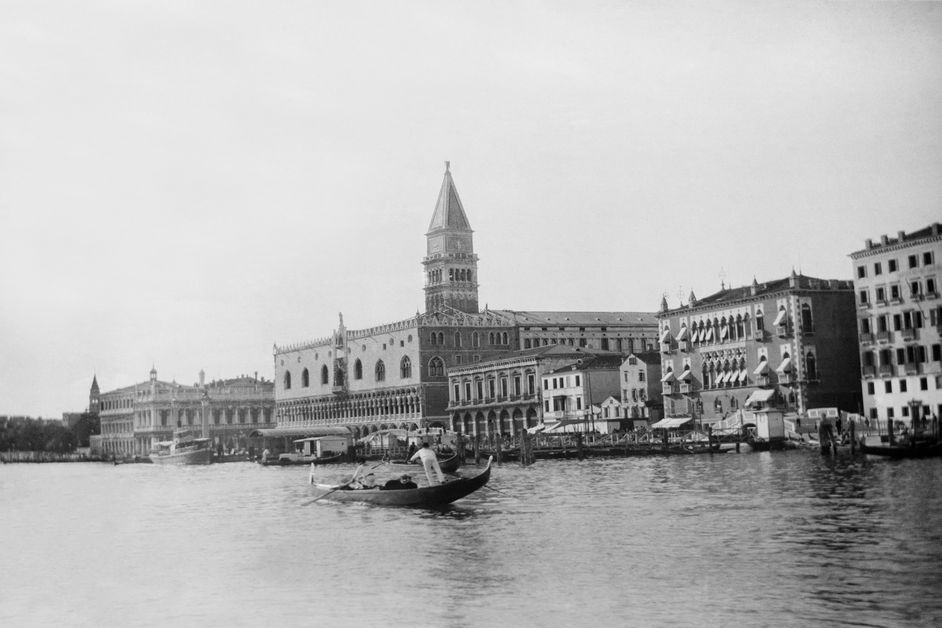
<point>640,380</point>
<point>136,417</point>
<point>899,317</point>
<point>794,336</point>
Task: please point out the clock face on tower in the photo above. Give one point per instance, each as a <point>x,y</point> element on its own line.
<point>435,246</point>
<point>457,245</point>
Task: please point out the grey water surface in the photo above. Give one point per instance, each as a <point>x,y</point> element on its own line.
<point>759,539</point>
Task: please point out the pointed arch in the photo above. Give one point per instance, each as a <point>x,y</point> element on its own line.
<point>405,367</point>
<point>436,368</point>
<point>287,380</point>
<point>325,375</point>
<point>358,369</point>
<point>380,371</point>
<point>305,378</point>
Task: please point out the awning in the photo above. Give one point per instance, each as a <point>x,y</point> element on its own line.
<point>695,335</point>
<point>685,375</point>
<point>743,376</point>
<point>724,332</point>
<point>759,396</point>
<point>734,376</point>
<point>709,334</point>
<point>682,334</point>
<point>724,377</point>
<point>299,432</point>
<point>670,423</point>
<point>762,368</point>
<point>785,366</point>
<point>780,318</point>
<point>666,336</point>
<point>668,378</point>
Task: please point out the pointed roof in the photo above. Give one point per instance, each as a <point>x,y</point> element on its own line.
<point>449,213</point>
<point>95,383</point>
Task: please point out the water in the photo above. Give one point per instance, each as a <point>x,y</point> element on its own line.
<point>778,539</point>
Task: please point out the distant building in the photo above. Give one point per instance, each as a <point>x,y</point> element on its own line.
<point>396,375</point>
<point>502,394</point>
<point>572,394</point>
<point>640,382</point>
<point>136,417</point>
<point>789,342</point>
<point>899,312</point>
<point>622,332</point>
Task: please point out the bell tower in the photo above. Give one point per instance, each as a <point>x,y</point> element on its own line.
<point>451,267</point>
<point>94,397</point>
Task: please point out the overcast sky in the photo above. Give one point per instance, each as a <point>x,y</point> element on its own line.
<point>183,184</point>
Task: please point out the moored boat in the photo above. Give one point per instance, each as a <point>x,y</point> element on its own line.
<point>184,449</point>
<point>435,496</point>
<point>918,449</point>
<point>299,459</point>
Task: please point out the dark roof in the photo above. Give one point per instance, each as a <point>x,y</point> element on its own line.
<point>449,212</point>
<point>933,230</point>
<point>594,363</point>
<point>757,290</point>
<point>537,318</point>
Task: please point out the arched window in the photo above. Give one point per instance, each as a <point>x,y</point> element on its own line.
<point>405,368</point>
<point>490,338</point>
<point>458,339</point>
<point>305,379</point>
<point>380,371</point>
<point>807,325</point>
<point>433,338</point>
<point>287,380</point>
<point>325,374</point>
<point>811,366</point>
<point>506,341</point>
<point>436,368</point>
<point>475,340</point>
<point>358,369</point>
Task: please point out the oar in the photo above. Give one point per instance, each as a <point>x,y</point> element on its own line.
<point>500,491</point>
<point>308,503</point>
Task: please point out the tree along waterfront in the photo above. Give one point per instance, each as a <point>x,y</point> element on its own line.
<point>24,439</point>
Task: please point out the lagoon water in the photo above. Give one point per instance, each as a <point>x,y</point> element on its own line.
<point>777,539</point>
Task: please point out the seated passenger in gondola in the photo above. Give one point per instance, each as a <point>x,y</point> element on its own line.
<point>405,481</point>
<point>368,481</point>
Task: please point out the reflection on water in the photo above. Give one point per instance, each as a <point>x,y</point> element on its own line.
<point>784,538</point>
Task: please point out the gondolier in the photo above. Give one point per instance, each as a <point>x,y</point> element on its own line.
<point>430,462</point>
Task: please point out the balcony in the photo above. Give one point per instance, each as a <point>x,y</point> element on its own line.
<point>869,371</point>
<point>667,388</point>
<point>762,380</point>
<point>686,388</point>
<point>886,370</point>
<point>781,330</point>
<point>911,368</point>
<point>866,337</point>
<point>883,336</point>
<point>786,378</point>
<point>684,345</point>
<point>908,334</point>
<point>665,347</point>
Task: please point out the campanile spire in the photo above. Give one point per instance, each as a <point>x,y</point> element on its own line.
<point>450,262</point>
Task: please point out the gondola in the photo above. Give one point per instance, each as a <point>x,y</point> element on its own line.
<point>422,497</point>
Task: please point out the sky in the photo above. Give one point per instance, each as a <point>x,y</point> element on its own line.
<point>185,184</point>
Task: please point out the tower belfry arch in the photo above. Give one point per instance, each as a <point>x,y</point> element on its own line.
<point>451,266</point>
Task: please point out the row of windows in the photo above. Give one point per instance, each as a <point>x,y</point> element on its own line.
<point>733,329</point>
<point>640,378</point>
<point>901,386</point>
<point>893,292</point>
<point>912,261</point>
<point>904,412</point>
<point>562,382</point>
<point>911,354</point>
<point>493,338</point>
<point>480,385</point>
<point>902,321</point>
<point>561,404</point>
<point>454,274</point>
<point>436,369</point>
